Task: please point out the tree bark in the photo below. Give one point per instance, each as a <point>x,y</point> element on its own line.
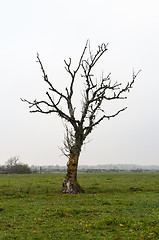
<point>70,183</point>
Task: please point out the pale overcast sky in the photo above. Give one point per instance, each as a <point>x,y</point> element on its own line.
<point>57,30</point>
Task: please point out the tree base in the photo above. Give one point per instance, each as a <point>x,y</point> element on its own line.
<point>71,187</point>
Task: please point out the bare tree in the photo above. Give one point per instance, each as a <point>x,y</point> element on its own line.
<point>95,92</point>
<point>15,166</point>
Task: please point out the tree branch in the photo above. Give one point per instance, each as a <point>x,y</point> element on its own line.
<point>94,94</point>
<point>47,81</point>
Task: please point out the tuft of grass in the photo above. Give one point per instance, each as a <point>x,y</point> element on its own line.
<point>114,206</point>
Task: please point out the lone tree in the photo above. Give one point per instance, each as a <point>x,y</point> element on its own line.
<point>94,93</point>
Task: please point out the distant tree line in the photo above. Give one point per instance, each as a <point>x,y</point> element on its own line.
<point>15,166</point>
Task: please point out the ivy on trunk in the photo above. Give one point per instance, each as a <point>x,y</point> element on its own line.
<point>94,93</point>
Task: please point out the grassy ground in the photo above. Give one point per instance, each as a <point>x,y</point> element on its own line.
<point>114,206</point>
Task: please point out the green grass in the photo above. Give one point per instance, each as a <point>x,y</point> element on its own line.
<point>114,206</point>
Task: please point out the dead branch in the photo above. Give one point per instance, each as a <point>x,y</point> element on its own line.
<point>94,94</point>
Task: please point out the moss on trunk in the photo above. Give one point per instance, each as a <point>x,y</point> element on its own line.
<point>70,184</point>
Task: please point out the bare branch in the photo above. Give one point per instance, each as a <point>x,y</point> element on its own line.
<point>47,81</point>
<point>95,93</point>
<point>92,124</point>
<point>81,58</point>
<point>101,50</point>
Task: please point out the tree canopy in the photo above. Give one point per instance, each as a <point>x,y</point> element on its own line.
<point>95,92</point>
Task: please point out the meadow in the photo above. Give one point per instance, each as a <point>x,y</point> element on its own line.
<point>115,205</point>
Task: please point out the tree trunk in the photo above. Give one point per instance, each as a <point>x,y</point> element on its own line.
<point>70,184</point>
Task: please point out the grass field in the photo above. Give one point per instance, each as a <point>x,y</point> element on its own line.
<point>114,206</point>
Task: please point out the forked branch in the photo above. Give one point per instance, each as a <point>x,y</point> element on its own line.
<point>95,93</point>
